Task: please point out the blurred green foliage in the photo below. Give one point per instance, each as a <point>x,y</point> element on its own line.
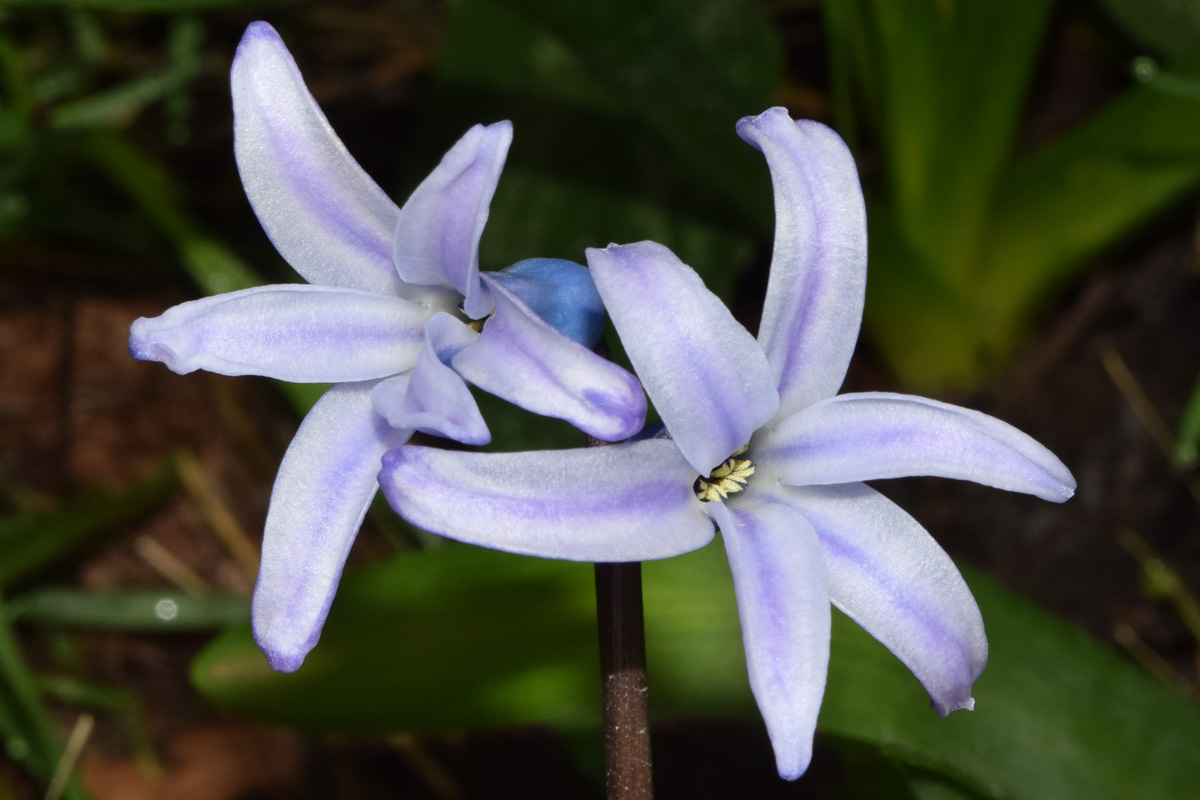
<point>969,241</point>
<point>478,638</point>
<point>624,113</point>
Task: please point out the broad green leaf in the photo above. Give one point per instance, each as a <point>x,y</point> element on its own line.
<point>144,610</point>
<point>948,81</point>
<point>33,539</point>
<point>1169,27</point>
<point>1051,214</point>
<point>409,629</point>
<point>462,637</point>
<point>1097,185</point>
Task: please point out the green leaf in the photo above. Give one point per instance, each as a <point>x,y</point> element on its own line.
<point>476,638</point>
<point>451,622</point>
<point>142,611</point>
<point>31,540</point>
<point>121,102</point>
<point>1169,27</point>
<point>1187,448</point>
<point>688,70</point>
<point>948,81</point>
<point>24,724</point>
<point>1069,202</point>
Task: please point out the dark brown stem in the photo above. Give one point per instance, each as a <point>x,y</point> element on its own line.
<point>623,676</point>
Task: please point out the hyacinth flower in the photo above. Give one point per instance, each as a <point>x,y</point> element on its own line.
<point>396,314</point>
<point>758,442</point>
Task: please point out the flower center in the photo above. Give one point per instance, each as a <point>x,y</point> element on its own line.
<point>728,478</point>
<point>474,324</point>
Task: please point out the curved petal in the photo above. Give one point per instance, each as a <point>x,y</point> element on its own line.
<point>783,605</point>
<point>437,233</point>
<point>324,486</point>
<point>433,398</point>
<point>707,376</point>
<point>624,502</point>
<point>814,300</point>
<point>560,292</point>
<point>297,333</point>
<point>860,437</point>
<point>322,212</point>
<point>521,358</point>
<point>889,575</point>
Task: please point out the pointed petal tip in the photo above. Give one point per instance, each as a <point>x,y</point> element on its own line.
<point>502,129</point>
<point>260,29</point>
<point>258,34</point>
<point>944,708</point>
<point>793,757</point>
<point>143,347</point>
<point>773,114</point>
<point>281,656</point>
<point>792,768</point>
<point>282,659</point>
<point>1067,490</point>
<point>622,414</point>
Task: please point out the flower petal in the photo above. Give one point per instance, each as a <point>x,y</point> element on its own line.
<point>293,332</point>
<point>707,376</point>
<point>858,437</point>
<point>322,492</point>
<point>889,575</point>
<point>433,398</point>
<point>783,605</point>
<point>560,292</point>
<point>521,358</point>
<point>624,502</point>
<point>814,300</point>
<point>437,233</point>
<point>322,212</point>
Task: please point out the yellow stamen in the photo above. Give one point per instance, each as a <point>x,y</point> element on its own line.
<point>730,477</point>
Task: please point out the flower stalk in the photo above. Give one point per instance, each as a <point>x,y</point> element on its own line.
<point>623,680</point>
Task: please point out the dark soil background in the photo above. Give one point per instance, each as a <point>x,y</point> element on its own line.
<point>77,411</point>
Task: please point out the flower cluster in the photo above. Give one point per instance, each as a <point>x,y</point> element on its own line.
<point>755,441</point>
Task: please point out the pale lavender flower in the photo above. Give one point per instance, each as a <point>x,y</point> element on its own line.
<point>383,317</point>
<point>759,445</point>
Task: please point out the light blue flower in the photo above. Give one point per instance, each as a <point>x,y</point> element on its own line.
<point>761,445</point>
<point>384,316</point>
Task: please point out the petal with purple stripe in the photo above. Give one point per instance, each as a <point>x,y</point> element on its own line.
<point>783,605</point>
<point>437,233</point>
<point>433,398</point>
<point>707,376</point>
<point>624,502</point>
<point>322,212</point>
<point>293,332</point>
<point>522,358</point>
<point>814,299</point>
<point>858,437</point>
<point>324,486</point>
<point>889,575</point>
